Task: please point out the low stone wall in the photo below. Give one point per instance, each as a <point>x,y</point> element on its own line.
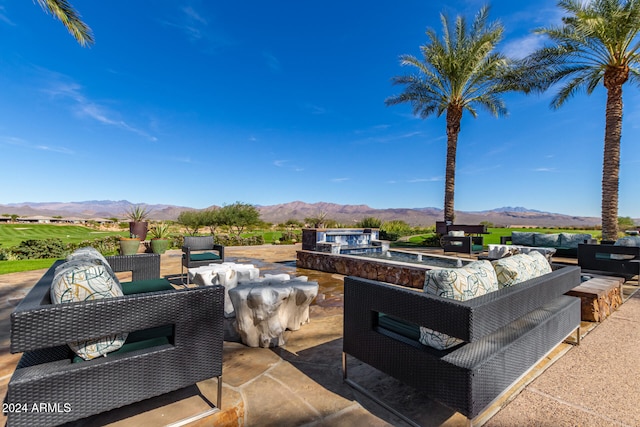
<point>398,273</point>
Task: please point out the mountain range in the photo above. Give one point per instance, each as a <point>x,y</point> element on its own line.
<point>345,214</point>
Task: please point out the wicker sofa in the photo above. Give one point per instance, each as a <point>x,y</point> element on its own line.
<point>175,340</point>
<point>565,244</point>
<point>505,333</point>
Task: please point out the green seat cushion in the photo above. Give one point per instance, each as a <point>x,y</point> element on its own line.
<point>142,286</point>
<point>399,326</point>
<point>476,248</point>
<point>140,340</point>
<point>205,256</point>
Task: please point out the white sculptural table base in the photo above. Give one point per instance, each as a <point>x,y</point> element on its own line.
<point>265,309</point>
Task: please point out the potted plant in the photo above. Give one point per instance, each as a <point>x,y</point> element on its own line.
<point>159,241</point>
<point>138,224</point>
<point>129,245</point>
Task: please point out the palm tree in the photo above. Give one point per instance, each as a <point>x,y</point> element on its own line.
<point>459,72</point>
<point>63,10</point>
<point>596,43</point>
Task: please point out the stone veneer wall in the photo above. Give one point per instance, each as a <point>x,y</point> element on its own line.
<point>384,271</point>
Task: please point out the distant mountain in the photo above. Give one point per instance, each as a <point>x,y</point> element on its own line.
<point>91,209</point>
<point>345,214</point>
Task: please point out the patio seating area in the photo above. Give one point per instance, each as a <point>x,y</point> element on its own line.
<point>301,382</point>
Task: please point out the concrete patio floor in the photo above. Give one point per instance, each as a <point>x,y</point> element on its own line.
<point>300,383</point>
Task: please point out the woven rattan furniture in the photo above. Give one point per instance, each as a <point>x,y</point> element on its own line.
<point>506,333</point>
<point>463,244</point>
<point>614,259</point>
<point>197,252</point>
<point>46,374</point>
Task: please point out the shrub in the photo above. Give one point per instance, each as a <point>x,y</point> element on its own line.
<point>39,249</point>
<point>288,237</point>
<point>235,240</point>
<point>393,230</point>
<point>369,222</point>
<point>432,241</point>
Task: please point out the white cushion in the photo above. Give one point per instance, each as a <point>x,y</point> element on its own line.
<point>461,284</point>
<point>82,280</point>
<point>519,268</point>
<point>456,233</point>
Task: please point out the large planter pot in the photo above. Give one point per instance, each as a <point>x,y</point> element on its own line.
<point>129,246</point>
<point>159,246</point>
<point>139,229</point>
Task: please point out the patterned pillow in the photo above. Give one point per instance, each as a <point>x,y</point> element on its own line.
<point>83,280</point>
<point>571,240</point>
<point>628,241</point>
<point>473,280</point>
<point>522,238</point>
<point>521,267</point>
<point>546,240</point>
<point>94,256</point>
<point>539,263</point>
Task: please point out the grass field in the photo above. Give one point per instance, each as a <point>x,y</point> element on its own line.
<point>13,234</point>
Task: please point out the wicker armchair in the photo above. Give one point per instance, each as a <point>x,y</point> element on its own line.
<point>463,244</point>
<point>613,259</point>
<point>196,252</point>
<point>188,324</point>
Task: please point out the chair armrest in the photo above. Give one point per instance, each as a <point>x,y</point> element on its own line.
<point>505,239</point>
<point>220,250</point>
<point>142,266</point>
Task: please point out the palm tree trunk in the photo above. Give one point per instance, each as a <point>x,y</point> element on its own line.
<point>454,116</point>
<point>611,162</point>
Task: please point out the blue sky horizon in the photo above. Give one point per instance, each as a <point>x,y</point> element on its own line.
<point>198,104</point>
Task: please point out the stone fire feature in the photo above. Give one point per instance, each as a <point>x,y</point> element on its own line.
<point>399,273</point>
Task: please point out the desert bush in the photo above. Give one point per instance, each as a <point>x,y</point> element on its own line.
<point>393,230</point>
<point>369,222</point>
<point>235,240</point>
<point>432,241</point>
<point>39,249</point>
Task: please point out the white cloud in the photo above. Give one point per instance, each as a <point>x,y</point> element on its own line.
<point>543,169</point>
<point>4,17</point>
<point>520,48</point>
<point>61,87</point>
<point>12,140</point>
<point>432,179</point>
<point>340,179</point>
<point>272,61</point>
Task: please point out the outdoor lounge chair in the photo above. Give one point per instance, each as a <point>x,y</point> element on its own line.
<point>463,244</point>
<point>175,340</point>
<point>614,259</point>
<point>196,252</point>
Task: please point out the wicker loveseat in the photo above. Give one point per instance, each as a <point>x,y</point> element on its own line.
<point>174,341</point>
<point>504,332</point>
<point>565,244</point>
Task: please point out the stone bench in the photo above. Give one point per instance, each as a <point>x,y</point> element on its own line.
<point>265,308</point>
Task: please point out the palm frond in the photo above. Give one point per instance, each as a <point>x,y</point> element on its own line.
<point>63,10</point>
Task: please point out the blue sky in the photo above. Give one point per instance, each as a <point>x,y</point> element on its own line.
<point>208,103</point>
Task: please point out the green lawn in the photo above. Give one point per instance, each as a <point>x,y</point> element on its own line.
<point>13,234</point>
<point>25,265</point>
